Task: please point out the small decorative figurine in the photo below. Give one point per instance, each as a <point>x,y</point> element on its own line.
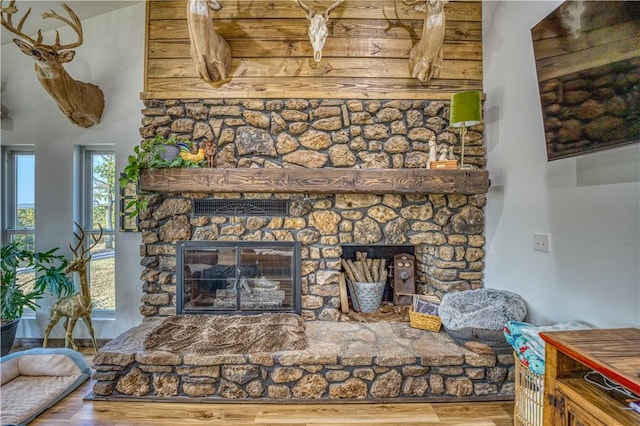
<point>444,150</point>
<point>450,155</point>
<point>209,152</point>
<point>79,305</point>
<point>432,151</point>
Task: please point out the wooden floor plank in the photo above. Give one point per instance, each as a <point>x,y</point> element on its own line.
<point>349,413</point>
<point>458,412</point>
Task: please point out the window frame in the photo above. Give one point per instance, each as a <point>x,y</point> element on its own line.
<point>84,203</point>
<point>9,199</point>
<point>10,192</point>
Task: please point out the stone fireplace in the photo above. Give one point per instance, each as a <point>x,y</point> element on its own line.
<point>363,140</point>
<point>351,175</point>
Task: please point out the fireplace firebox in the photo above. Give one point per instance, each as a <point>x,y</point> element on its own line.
<point>237,277</point>
<point>389,253</point>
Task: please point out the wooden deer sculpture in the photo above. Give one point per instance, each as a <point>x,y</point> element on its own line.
<point>426,56</point>
<point>82,103</point>
<point>79,304</point>
<point>210,52</point>
<point>318,29</point>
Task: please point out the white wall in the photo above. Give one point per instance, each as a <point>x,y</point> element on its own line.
<point>590,205</point>
<point>112,58</point>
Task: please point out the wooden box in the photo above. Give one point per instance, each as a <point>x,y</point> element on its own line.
<point>444,164</point>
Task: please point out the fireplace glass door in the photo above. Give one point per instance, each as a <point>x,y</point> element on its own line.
<point>237,277</point>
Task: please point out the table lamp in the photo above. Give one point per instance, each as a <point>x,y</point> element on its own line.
<point>465,111</point>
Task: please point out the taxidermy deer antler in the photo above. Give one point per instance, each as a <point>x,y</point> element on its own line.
<point>318,27</point>
<point>426,56</point>
<point>210,52</point>
<point>82,103</point>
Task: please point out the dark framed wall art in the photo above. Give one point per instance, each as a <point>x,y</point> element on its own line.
<point>587,57</point>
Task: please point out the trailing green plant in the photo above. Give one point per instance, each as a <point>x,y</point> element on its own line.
<point>17,294</point>
<point>149,155</point>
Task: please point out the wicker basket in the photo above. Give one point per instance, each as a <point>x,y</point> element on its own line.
<point>529,396</point>
<point>424,321</point>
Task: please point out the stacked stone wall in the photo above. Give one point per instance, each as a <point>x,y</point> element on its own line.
<point>447,230</point>
<point>313,133</point>
<point>164,375</point>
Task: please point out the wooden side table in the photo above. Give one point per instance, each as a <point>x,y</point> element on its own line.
<point>571,400</point>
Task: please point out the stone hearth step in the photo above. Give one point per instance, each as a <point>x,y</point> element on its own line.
<point>344,361</point>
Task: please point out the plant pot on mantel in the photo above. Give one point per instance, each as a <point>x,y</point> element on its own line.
<point>168,152</point>
<point>8,329</point>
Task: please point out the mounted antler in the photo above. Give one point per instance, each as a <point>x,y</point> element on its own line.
<point>210,52</point>
<point>74,23</point>
<point>426,56</point>
<point>318,30</point>
<point>80,245</point>
<point>82,103</point>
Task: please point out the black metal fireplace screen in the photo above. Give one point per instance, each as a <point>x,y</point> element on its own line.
<point>239,277</point>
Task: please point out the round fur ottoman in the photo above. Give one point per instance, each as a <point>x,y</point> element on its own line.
<point>476,318</point>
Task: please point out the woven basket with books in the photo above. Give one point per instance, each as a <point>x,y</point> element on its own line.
<point>424,313</point>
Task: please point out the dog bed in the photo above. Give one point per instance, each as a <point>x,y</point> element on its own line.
<point>476,318</point>
<point>36,379</point>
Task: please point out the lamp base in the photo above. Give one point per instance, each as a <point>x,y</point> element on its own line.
<point>466,167</point>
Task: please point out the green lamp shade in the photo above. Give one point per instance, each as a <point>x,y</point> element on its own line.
<point>466,109</point>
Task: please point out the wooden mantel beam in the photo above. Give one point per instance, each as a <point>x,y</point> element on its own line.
<point>327,180</point>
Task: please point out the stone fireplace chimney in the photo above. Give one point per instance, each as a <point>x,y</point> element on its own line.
<point>352,172</point>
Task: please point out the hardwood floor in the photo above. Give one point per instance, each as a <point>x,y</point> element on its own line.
<point>73,410</point>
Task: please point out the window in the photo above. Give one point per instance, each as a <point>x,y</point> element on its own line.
<point>18,188</point>
<point>18,200</point>
<point>98,210</point>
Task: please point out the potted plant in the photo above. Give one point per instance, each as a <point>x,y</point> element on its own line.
<point>18,292</point>
<point>159,152</point>
<point>151,154</point>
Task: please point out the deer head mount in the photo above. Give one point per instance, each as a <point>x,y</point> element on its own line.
<point>318,30</point>
<point>425,58</point>
<point>210,52</point>
<point>82,103</point>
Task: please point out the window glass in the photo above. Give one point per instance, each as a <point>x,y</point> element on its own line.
<point>19,208</point>
<point>99,216</point>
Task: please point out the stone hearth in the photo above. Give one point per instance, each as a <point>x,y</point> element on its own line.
<point>344,361</point>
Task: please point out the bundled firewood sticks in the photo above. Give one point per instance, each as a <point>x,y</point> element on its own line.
<point>364,269</point>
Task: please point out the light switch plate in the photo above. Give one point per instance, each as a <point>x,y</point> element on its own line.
<point>541,242</point>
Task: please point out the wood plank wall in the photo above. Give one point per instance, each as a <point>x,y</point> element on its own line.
<point>365,56</point>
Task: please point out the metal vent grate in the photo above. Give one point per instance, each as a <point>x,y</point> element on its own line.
<point>240,207</point>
